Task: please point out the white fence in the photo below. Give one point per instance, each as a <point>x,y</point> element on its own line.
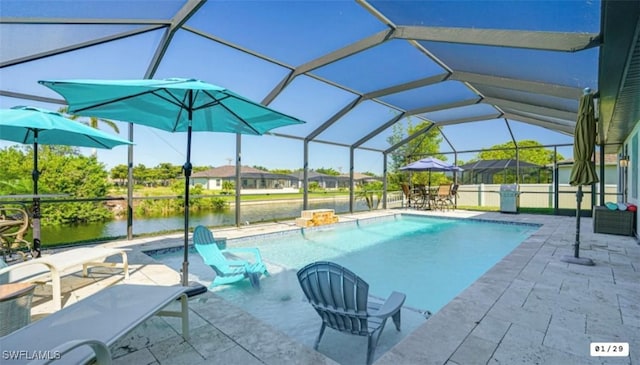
<point>531,196</point>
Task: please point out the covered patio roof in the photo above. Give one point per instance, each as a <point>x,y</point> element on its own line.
<point>352,70</point>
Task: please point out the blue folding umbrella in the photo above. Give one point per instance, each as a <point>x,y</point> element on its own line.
<point>175,105</point>
<point>430,164</point>
<point>30,125</point>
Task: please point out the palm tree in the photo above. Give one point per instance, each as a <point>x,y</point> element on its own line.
<point>92,122</point>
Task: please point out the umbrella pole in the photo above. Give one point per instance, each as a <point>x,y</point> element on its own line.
<point>576,259</point>
<point>35,174</point>
<point>576,245</point>
<point>187,173</point>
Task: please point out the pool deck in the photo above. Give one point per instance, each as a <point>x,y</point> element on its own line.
<point>530,308</point>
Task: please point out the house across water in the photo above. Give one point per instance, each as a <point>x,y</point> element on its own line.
<point>253,181</point>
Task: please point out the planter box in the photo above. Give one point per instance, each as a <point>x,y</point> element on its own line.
<point>613,221</point>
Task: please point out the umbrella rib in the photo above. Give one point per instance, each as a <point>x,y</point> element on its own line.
<point>94,106</point>
<point>173,99</point>
<point>26,137</point>
<point>233,113</point>
<point>98,142</point>
<point>207,105</point>
<point>251,102</point>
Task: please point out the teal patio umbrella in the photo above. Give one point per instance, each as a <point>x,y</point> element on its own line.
<point>583,171</point>
<point>174,105</point>
<point>30,125</point>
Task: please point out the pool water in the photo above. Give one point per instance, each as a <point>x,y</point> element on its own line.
<point>431,260</point>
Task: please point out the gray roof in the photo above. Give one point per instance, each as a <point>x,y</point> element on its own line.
<point>229,171</point>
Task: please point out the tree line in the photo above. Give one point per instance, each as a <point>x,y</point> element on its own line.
<point>65,171</point>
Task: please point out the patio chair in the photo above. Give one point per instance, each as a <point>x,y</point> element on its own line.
<point>442,196</point>
<point>228,271</point>
<point>448,201</point>
<point>412,198</point>
<point>341,299</point>
<point>14,223</point>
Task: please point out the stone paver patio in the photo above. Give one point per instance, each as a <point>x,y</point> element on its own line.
<point>530,308</point>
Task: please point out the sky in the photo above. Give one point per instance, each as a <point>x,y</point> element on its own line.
<point>302,33</point>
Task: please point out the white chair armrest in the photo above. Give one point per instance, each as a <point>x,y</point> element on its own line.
<point>26,271</point>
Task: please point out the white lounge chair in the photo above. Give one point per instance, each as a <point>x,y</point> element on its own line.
<point>55,265</point>
<point>97,321</point>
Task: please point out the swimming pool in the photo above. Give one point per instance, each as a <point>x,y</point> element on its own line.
<point>430,259</point>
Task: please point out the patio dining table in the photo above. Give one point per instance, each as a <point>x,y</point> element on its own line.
<point>424,196</point>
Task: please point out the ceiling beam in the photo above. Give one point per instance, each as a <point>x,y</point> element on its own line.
<point>555,126</point>
<point>407,86</point>
<point>178,20</point>
<point>409,138</point>
<point>557,121</point>
<point>326,59</point>
<point>534,87</point>
<point>477,118</point>
<point>434,108</point>
<point>66,21</point>
<point>532,108</point>
<point>548,41</point>
<point>347,108</point>
<point>11,94</point>
<point>378,130</point>
<point>73,47</point>
<point>344,52</point>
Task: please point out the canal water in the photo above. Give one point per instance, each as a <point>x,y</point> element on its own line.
<point>250,213</point>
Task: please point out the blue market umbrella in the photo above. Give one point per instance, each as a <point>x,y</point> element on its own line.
<point>30,125</point>
<point>583,171</point>
<point>175,105</point>
<point>430,164</point>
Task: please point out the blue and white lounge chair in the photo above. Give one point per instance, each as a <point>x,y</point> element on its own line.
<point>228,271</point>
<point>341,299</point>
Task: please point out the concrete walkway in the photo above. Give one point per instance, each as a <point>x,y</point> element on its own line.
<point>531,308</point>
